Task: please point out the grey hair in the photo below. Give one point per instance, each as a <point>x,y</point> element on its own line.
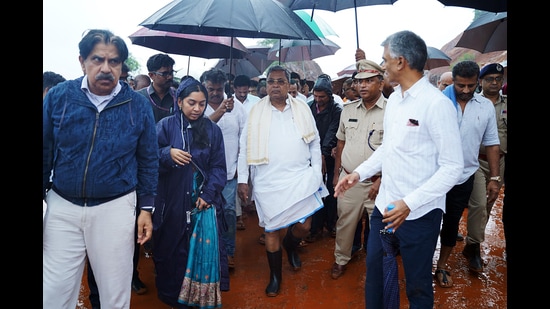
<point>408,45</point>
<point>279,68</point>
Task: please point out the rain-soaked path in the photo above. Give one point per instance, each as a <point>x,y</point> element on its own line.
<point>312,286</point>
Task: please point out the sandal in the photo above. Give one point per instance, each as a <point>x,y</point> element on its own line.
<point>443,278</point>
<point>240,224</point>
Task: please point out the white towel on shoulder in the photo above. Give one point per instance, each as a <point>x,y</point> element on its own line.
<point>259,123</point>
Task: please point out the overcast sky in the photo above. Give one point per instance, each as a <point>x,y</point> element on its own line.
<point>64,22</point>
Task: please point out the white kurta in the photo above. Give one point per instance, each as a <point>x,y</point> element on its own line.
<point>290,187</point>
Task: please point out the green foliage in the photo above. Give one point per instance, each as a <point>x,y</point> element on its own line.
<point>132,63</point>
<point>466,56</point>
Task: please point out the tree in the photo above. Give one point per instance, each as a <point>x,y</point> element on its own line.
<point>132,63</point>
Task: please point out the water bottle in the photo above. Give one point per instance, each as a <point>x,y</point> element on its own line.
<point>390,207</point>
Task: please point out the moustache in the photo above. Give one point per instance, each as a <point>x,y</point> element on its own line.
<point>103,76</point>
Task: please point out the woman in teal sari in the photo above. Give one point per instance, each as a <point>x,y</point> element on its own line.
<point>190,148</point>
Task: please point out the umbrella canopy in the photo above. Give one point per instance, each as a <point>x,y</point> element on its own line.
<point>334,6</point>
<point>317,24</point>
<point>484,5</point>
<point>436,58</point>
<point>236,18</point>
<point>488,33</point>
<point>349,70</point>
<point>257,55</point>
<point>203,46</point>
<point>300,50</point>
<point>240,67</point>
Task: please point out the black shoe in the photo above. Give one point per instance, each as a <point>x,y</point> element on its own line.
<point>473,253</point>
<point>138,287</point>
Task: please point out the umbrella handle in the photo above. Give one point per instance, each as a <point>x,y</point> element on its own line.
<point>390,207</point>
<point>356,23</point>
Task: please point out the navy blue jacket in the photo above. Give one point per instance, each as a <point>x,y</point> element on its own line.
<point>97,157</point>
<point>171,231</point>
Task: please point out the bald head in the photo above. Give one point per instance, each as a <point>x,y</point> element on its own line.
<point>445,80</point>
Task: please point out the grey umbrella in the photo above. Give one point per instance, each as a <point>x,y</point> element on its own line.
<point>235,18</point>
<point>488,33</point>
<point>300,50</point>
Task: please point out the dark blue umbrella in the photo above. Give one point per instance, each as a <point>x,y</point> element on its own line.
<point>390,244</point>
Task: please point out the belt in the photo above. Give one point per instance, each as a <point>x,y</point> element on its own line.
<point>371,179</point>
<point>484,156</point>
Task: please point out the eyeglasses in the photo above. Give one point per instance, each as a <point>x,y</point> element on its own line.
<point>165,74</point>
<point>489,79</point>
<point>280,82</point>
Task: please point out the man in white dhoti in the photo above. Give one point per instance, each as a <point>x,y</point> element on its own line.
<point>281,145</point>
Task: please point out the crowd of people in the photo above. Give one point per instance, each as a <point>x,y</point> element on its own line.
<point>148,161</point>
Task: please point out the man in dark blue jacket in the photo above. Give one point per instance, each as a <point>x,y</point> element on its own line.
<point>100,141</point>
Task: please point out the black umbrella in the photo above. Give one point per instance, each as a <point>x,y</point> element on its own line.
<point>484,5</point>
<point>257,55</point>
<point>390,244</point>
<point>235,18</point>
<point>488,33</point>
<point>436,58</point>
<point>203,46</point>
<point>239,67</point>
<point>334,6</point>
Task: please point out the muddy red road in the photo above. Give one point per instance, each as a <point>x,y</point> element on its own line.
<point>312,286</point>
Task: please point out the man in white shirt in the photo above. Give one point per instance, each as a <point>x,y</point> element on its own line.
<point>420,159</point>
<point>230,117</point>
<point>241,88</point>
<point>478,126</point>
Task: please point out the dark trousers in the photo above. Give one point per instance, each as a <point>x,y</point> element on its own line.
<point>417,243</point>
<point>326,217</point>
<point>455,202</point>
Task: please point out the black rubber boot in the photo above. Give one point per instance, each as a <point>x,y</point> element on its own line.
<point>473,253</point>
<point>290,243</point>
<point>275,260</point>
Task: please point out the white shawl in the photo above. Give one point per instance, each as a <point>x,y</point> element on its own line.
<point>259,124</point>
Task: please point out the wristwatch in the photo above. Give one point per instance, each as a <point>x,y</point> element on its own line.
<point>496,178</point>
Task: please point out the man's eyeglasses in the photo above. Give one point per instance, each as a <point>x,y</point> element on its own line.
<point>280,82</point>
<point>165,74</point>
<point>490,79</point>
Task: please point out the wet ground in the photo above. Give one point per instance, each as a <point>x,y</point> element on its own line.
<point>312,286</point>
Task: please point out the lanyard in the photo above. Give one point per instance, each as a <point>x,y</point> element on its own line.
<point>172,108</point>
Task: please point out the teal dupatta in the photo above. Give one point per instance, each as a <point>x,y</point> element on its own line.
<point>201,284</point>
